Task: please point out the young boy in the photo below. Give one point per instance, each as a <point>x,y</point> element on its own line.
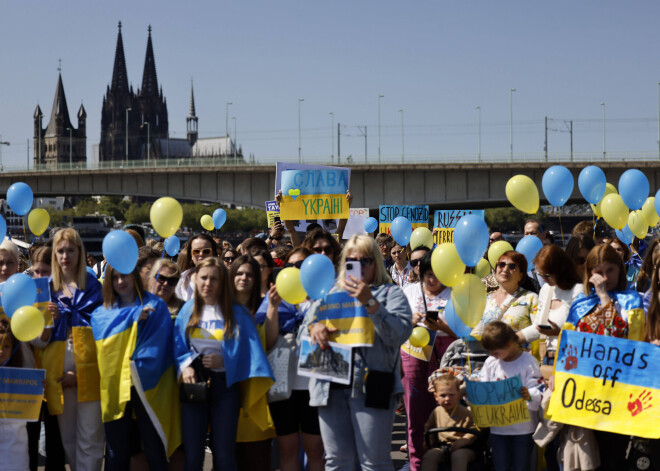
<point>449,446</point>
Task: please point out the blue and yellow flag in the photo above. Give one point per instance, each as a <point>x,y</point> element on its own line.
<point>75,316</point>
<point>244,357</point>
<point>341,311</point>
<point>631,310</point>
<point>314,193</point>
<point>139,354</point>
<point>21,393</point>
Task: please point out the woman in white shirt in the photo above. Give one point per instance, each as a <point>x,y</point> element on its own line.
<point>198,248</point>
<point>400,270</point>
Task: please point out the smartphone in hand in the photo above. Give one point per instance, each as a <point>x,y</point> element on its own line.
<point>353,269</point>
<point>433,315</point>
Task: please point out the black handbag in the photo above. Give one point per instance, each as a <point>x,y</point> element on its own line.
<point>378,387</point>
<point>198,392</point>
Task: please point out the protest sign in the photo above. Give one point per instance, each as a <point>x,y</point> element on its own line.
<point>43,298</point>
<point>608,384</point>
<point>421,353</point>
<point>356,220</point>
<point>329,364</point>
<point>444,222</point>
<point>418,215</point>
<point>319,194</point>
<point>21,393</point>
<point>340,311</point>
<point>272,211</point>
<point>497,403</point>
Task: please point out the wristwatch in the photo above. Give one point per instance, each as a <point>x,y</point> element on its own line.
<point>371,302</point>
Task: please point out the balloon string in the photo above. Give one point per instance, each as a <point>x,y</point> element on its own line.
<point>467,348</point>
<point>595,224</point>
<point>138,292</point>
<point>561,229</point>
<point>24,233</point>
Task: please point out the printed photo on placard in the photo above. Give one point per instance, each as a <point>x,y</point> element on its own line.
<point>330,364</point>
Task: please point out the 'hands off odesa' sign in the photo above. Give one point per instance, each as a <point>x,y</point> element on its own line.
<point>608,384</point>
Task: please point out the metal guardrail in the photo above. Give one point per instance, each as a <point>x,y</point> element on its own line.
<point>505,158</point>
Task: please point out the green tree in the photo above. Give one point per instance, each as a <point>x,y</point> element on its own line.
<point>86,206</point>
<point>509,219</point>
<point>137,213</point>
<point>112,206</point>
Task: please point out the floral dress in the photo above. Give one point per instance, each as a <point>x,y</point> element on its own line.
<point>521,308</point>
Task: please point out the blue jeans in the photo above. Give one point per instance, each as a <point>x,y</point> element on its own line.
<point>355,436</point>
<point>511,452</point>
<point>117,438</point>
<point>222,413</point>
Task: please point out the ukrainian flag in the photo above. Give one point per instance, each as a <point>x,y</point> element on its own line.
<point>244,357</point>
<point>631,310</point>
<point>139,354</point>
<point>75,316</point>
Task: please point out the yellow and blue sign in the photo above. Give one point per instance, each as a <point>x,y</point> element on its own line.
<point>445,221</point>
<point>418,215</point>
<point>608,384</point>
<point>497,403</point>
<point>314,194</point>
<point>21,393</point>
<point>272,211</point>
<point>43,298</point>
<point>421,353</point>
<point>350,317</point>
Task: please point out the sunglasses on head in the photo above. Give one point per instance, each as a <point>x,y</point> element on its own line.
<point>168,280</point>
<point>298,264</point>
<point>364,261</point>
<point>512,266</point>
<point>204,251</point>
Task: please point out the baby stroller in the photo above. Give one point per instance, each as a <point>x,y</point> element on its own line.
<point>468,356</point>
<point>482,461</point>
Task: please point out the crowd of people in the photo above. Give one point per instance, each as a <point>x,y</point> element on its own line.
<point>207,321</point>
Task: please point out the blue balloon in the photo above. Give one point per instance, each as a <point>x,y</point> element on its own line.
<point>592,183</point>
<point>656,204</point>
<point>19,290</point>
<point>625,235</point>
<point>219,218</point>
<point>317,275</point>
<point>455,323</point>
<point>557,185</point>
<point>401,230</point>
<point>172,245</point>
<point>634,188</point>
<point>471,239</point>
<point>3,229</point>
<point>370,225</point>
<point>121,251</point>
<point>529,246</point>
<point>19,197</point>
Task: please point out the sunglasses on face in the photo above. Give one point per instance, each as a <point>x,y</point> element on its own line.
<point>298,264</point>
<point>198,252</point>
<point>168,280</point>
<point>580,260</point>
<point>364,261</point>
<point>414,263</point>
<point>229,259</point>
<point>512,266</point>
<point>324,249</point>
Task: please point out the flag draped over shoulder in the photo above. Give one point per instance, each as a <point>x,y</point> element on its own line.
<point>244,358</point>
<point>139,354</point>
<point>75,316</point>
<point>631,310</point>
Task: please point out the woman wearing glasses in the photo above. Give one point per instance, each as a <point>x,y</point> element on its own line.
<point>512,302</point>
<point>400,269</point>
<point>198,248</point>
<point>228,257</point>
<point>165,285</point>
<point>320,241</point>
<point>356,419</point>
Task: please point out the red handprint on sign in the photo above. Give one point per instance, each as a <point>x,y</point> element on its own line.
<point>640,404</point>
<point>570,360</point>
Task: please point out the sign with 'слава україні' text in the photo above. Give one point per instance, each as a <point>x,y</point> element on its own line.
<point>318,193</point>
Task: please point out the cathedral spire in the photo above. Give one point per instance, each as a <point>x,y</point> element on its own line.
<point>119,75</point>
<point>191,120</point>
<point>149,78</point>
<point>59,116</point>
<point>191,110</point>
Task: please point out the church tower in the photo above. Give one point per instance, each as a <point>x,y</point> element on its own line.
<point>191,120</point>
<point>60,142</point>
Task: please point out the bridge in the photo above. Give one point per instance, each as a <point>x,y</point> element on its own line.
<point>440,181</point>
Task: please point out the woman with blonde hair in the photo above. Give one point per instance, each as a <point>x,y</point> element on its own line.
<point>163,279</point>
<point>356,420</point>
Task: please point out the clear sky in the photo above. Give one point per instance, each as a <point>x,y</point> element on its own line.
<point>436,60</point>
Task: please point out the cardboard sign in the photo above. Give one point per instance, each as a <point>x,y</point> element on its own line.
<point>272,211</point>
<point>21,393</point>
<point>340,311</point>
<point>421,353</point>
<point>445,221</point>
<point>607,383</point>
<point>318,194</point>
<point>356,219</point>
<point>418,215</point>
<point>497,403</point>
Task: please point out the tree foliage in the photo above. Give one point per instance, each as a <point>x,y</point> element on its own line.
<point>508,219</point>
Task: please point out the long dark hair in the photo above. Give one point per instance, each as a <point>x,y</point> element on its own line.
<point>254,300</point>
<point>109,295</point>
<point>645,274</point>
<point>185,257</point>
<point>604,253</point>
<point>225,297</point>
<point>652,327</point>
<point>554,261</point>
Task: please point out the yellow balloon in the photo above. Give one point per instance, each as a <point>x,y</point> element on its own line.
<point>496,250</point>
<point>469,298</point>
<point>609,189</point>
<point>420,337</point>
<point>615,211</point>
<point>421,236</point>
<point>446,264</point>
<point>166,215</point>
<point>289,286</point>
<point>27,323</point>
<point>482,269</point>
<point>637,224</point>
<point>38,221</point>
<point>207,222</point>
<point>649,213</point>
<point>521,192</point>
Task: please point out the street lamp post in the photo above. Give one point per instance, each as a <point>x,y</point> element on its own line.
<point>478,108</point>
<point>402,148</point>
<point>148,140</point>
<point>70,148</point>
<point>299,147</point>
<point>379,97</point>
<point>511,120</point>
<point>39,157</point>
<point>235,141</point>
<point>2,143</point>
<point>658,120</point>
<point>332,136</point>
<point>604,148</point>
<point>127,110</point>
<point>227,118</point>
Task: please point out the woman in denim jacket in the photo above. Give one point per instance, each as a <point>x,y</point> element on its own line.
<point>353,432</point>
